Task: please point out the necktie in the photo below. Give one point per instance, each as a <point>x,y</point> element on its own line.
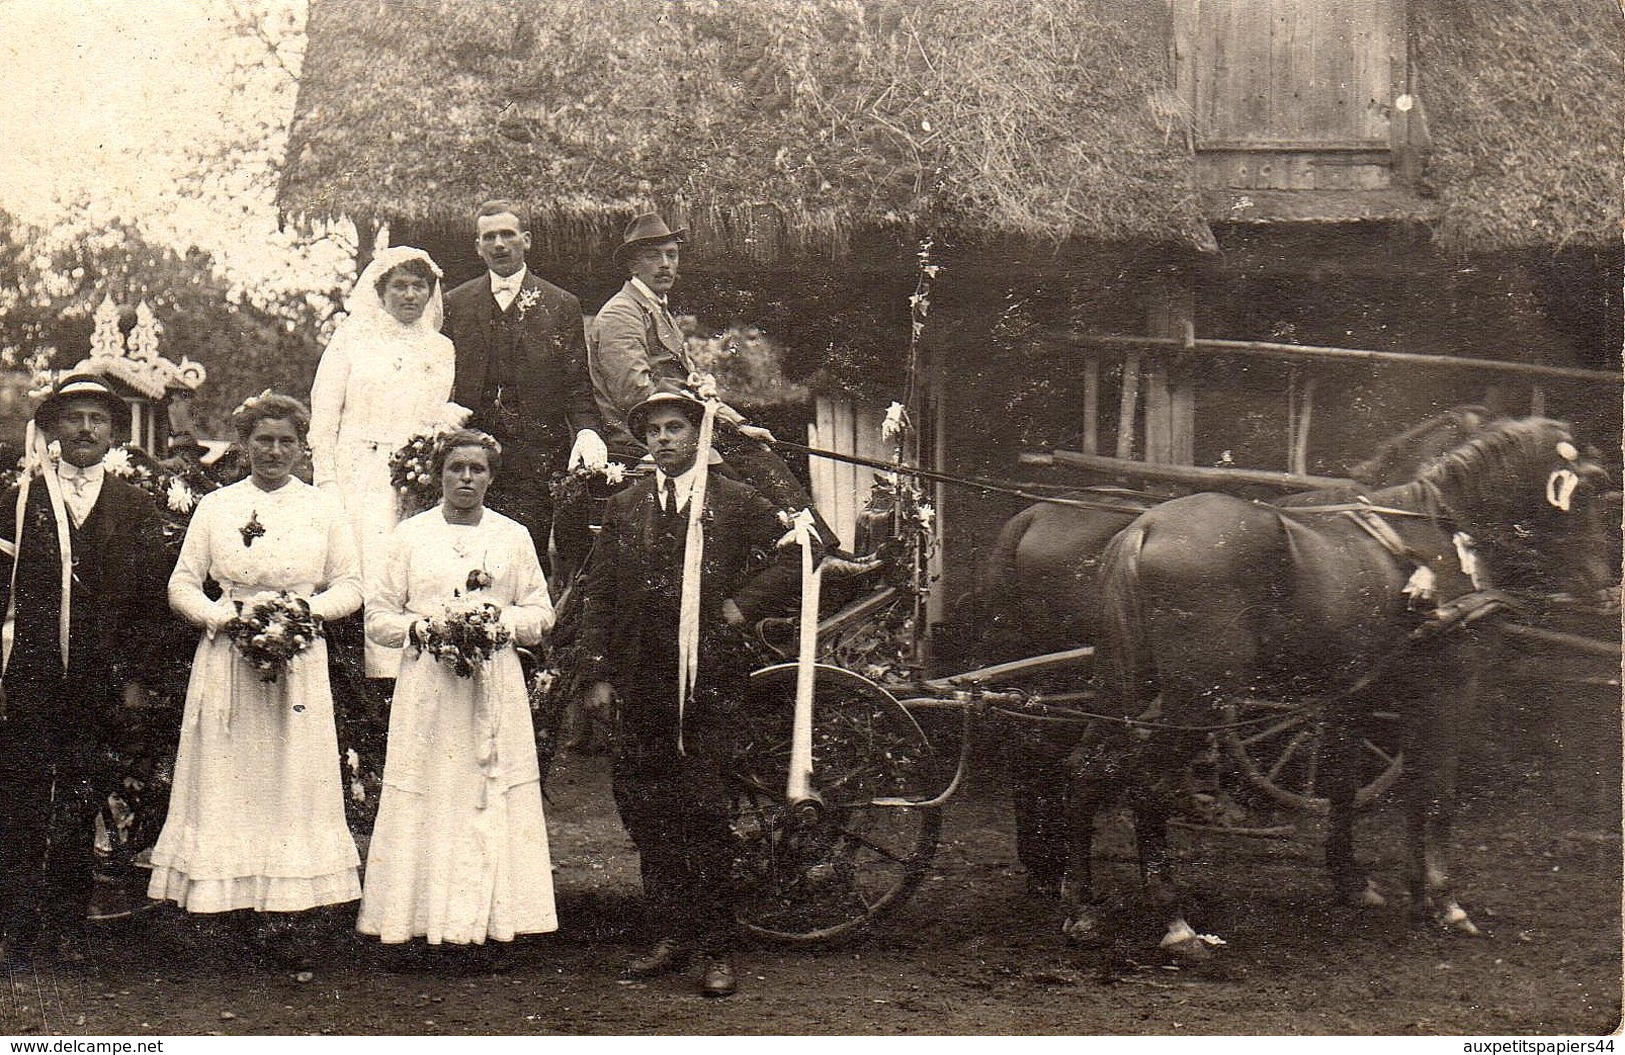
<point>671,495</point>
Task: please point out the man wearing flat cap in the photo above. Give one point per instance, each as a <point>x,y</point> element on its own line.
<point>673,754</point>
<point>83,582</point>
<point>636,344</point>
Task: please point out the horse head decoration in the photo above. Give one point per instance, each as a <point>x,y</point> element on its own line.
<point>1210,597</point>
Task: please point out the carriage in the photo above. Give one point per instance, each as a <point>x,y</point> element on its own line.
<point>823,855</point>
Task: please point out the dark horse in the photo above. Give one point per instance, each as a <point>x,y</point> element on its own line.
<point>1043,569</point>
<point>1211,597</point>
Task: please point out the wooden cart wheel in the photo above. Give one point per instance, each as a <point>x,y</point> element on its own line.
<point>812,880</point>
<point>1285,757</point>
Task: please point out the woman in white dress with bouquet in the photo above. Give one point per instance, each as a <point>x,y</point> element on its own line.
<point>256,816</point>
<point>459,852</point>
<point>385,377</point>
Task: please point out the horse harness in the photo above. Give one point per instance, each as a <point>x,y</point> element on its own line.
<point>1443,617</point>
<point>1447,615</point>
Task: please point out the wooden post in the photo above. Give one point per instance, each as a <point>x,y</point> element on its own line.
<point>1537,401</point>
<point>1302,415</point>
<point>1091,403</point>
<point>936,394</point>
<point>1169,406</point>
<point>1128,404</point>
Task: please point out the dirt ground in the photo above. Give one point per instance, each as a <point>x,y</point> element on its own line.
<point>1537,854</point>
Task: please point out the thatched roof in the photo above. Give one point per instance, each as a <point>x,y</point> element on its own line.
<point>774,123</point>
<point>1526,106</point>
<point>758,121</point>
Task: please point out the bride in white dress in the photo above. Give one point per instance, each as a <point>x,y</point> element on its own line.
<point>459,852</point>
<point>385,376</point>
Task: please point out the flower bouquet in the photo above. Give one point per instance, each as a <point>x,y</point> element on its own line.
<point>465,634</point>
<point>412,466</point>
<point>270,629</point>
<point>411,473</point>
<point>577,483</point>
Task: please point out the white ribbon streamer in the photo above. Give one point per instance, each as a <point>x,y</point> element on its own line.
<point>1467,556</point>
<point>688,615</point>
<point>798,785</point>
<point>39,455</point>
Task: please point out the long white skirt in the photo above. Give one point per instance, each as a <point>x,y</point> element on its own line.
<point>256,814</point>
<point>459,852</point>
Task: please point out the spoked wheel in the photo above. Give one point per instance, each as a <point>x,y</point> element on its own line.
<point>824,875</point>
<point>1286,753</point>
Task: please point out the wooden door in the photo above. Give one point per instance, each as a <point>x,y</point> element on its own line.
<point>1294,94</point>
<point>1312,74</point>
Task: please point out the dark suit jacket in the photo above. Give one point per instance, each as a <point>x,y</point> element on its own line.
<point>119,621</point>
<point>629,629</point>
<point>552,392</point>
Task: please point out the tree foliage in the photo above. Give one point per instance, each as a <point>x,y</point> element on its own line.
<point>52,281</point>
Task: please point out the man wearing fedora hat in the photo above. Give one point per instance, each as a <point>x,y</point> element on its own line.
<point>636,344</point>
<point>672,758</point>
<point>83,580</point>
<point>521,367</point>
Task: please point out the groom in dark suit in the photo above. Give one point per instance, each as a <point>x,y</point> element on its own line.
<point>83,581</point>
<point>521,367</point>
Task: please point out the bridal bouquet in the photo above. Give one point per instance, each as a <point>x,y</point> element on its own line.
<point>465,634</point>
<point>411,471</point>
<point>411,467</point>
<point>270,629</point>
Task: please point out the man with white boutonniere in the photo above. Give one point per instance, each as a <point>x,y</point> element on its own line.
<point>521,367</point>
<point>83,590</point>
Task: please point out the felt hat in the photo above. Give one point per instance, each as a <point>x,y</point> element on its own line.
<point>667,395</point>
<point>82,386</point>
<point>647,229</point>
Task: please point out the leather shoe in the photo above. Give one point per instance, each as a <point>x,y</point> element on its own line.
<point>718,979</point>
<point>668,955</point>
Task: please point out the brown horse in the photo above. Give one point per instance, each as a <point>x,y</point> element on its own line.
<point>1211,597</point>
<point>1043,566</point>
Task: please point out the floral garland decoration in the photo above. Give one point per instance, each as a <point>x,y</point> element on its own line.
<point>411,472</point>
<point>173,486</point>
<point>412,465</point>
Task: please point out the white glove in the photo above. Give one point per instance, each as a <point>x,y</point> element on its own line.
<point>589,451</point>
<point>219,614</point>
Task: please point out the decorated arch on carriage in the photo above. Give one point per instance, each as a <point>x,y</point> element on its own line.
<point>126,349</point>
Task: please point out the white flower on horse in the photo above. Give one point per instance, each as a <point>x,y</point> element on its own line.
<point>703,384</point>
